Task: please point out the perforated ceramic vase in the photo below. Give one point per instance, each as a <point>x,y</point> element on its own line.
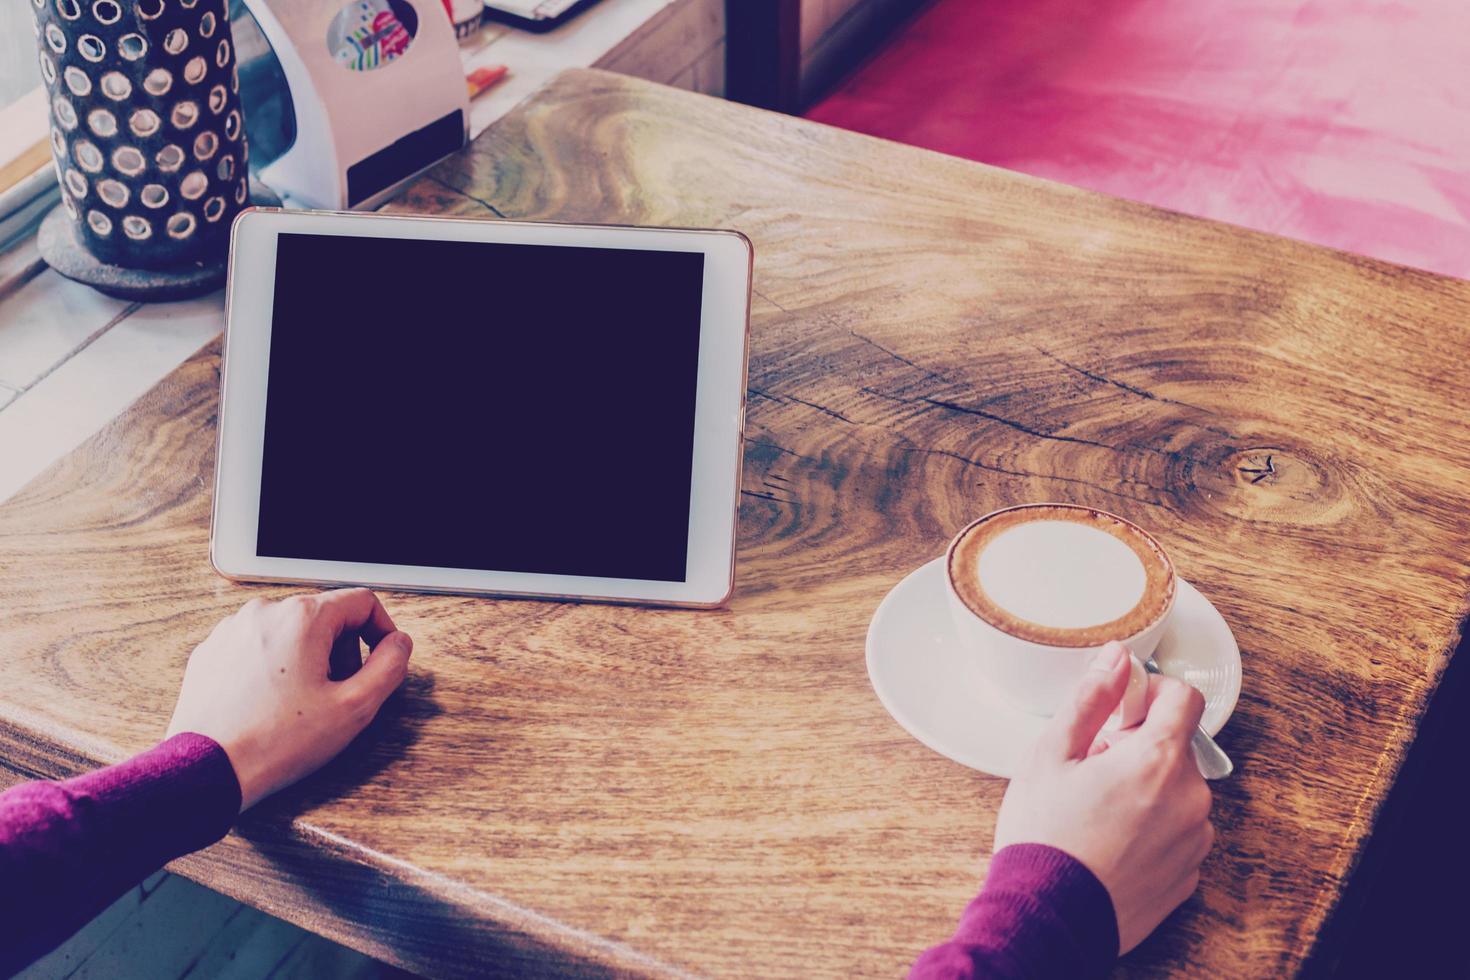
<point>146,130</point>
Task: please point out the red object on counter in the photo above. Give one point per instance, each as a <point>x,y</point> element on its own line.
<point>480,79</point>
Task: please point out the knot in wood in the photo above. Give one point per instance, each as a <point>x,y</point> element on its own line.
<point>1279,485</point>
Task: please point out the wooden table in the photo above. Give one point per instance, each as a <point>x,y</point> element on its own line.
<point>576,788</point>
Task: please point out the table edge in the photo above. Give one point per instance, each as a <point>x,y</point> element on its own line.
<point>249,866</point>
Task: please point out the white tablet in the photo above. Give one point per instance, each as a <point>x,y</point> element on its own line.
<point>489,407</point>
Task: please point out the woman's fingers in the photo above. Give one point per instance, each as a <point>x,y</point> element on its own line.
<point>355,609</point>
<point>1174,710</point>
<point>382,672</point>
<point>259,684</point>
<point>1072,731</point>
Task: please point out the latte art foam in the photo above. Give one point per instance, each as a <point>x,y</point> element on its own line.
<point>1061,575</point>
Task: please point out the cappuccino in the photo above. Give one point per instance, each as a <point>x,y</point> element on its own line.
<point>1061,575</point>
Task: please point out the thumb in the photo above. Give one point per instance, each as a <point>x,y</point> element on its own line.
<point>382,672</point>
<point>1073,728</point>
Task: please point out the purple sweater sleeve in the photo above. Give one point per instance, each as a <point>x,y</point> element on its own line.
<point>68,849</point>
<point>1041,914</point>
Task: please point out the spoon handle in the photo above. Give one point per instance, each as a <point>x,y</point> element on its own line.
<point>1212,761</point>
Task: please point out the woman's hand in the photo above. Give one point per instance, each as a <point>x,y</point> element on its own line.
<point>260,685</point>
<point>1136,812</point>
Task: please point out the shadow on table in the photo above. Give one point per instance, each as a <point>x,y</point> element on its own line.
<point>329,889</point>
<point>384,742</point>
<point>1406,910</point>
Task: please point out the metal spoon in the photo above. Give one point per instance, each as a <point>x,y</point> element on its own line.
<point>1212,761</point>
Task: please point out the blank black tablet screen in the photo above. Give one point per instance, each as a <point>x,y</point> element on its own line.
<point>470,405</point>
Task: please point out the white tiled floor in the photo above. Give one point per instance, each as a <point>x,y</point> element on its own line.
<point>45,322</point>
<point>87,389</point>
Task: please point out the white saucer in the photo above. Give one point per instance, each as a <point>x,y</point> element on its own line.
<point>931,687</point>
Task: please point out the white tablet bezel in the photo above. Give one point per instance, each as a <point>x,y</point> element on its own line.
<point>718,418</point>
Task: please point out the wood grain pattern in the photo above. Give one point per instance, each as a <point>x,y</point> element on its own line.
<point>594,789</point>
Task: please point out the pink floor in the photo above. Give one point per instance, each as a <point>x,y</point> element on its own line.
<point>1342,122</point>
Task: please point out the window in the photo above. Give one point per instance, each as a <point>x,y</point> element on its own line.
<point>27,185</point>
<point>18,72</point>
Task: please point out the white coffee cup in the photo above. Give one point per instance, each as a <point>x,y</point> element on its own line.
<point>1035,591</point>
